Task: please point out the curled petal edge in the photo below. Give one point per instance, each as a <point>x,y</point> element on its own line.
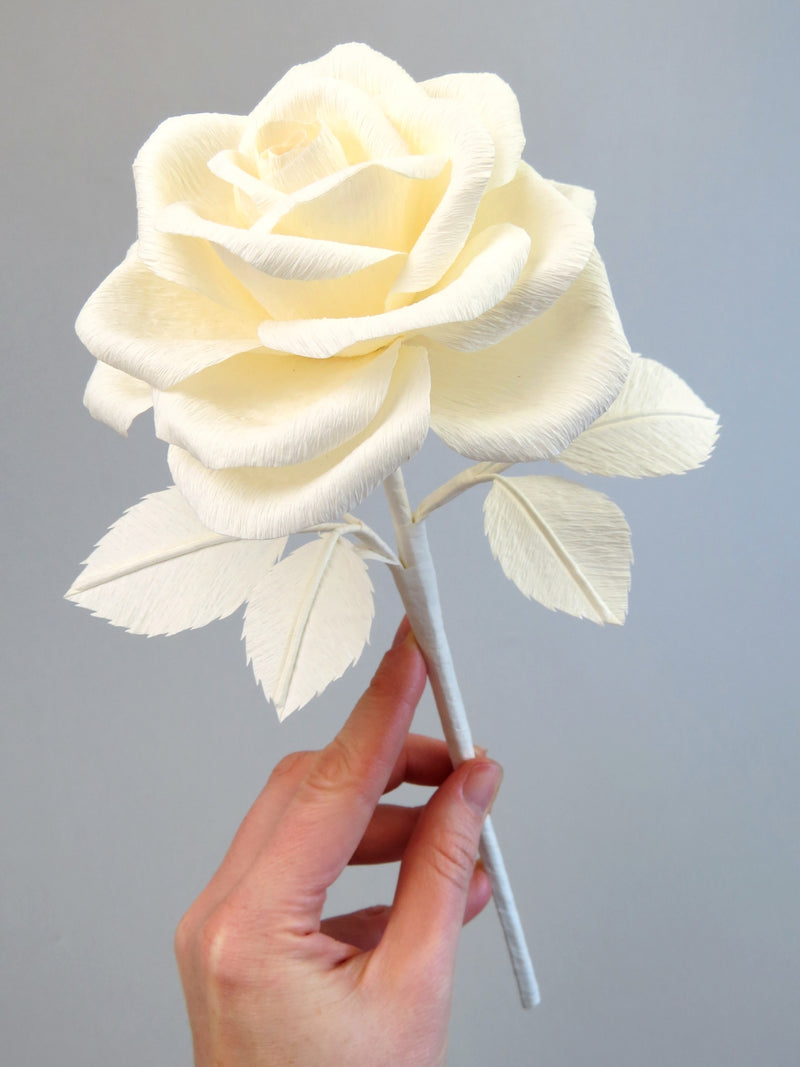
<point>258,502</point>
<point>529,396</point>
<point>116,398</point>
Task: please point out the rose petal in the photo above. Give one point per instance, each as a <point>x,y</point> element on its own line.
<point>172,167</point>
<point>360,294</point>
<point>265,410</point>
<point>529,396</point>
<point>116,398</point>
<point>298,258</point>
<point>496,104</point>
<point>232,167</point>
<point>270,502</point>
<point>316,156</point>
<point>373,72</point>
<point>158,331</point>
<point>562,240</point>
<point>385,204</point>
<point>583,199</point>
<point>443,126</point>
<point>369,203</point>
<point>499,256</point>
<point>356,120</point>
<point>428,126</point>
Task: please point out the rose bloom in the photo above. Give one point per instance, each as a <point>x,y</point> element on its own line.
<point>316,284</point>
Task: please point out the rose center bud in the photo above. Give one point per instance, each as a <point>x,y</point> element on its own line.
<point>277,143</point>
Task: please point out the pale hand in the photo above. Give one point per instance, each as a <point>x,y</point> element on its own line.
<point>267,981</point>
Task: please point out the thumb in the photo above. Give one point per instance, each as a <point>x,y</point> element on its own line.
<point>423,930</point>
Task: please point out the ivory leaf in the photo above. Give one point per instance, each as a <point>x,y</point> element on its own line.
<point>561,544</point>
<point>308,620</point>
<point>158,570</point>
<point>657,425</point>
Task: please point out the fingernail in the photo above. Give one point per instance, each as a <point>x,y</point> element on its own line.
<point>481,785</point>
<point>410,639</point>
<point>480,751</point>
<point>402,632</point>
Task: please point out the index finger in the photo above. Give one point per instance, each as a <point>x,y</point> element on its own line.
<point>325,820</point>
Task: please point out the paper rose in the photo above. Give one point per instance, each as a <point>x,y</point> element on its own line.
<point>316,284</point>
<point>314,287</point>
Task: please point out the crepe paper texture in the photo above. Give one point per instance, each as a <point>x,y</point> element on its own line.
<point>316,285</point>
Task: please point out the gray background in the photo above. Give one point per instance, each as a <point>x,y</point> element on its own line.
<point>649,812</point>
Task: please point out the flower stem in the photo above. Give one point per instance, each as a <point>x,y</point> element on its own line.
<point>416,583</point>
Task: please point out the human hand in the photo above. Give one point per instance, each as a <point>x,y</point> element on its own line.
<point>267,981</point>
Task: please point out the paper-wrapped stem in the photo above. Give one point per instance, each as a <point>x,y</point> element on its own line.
<point>416,583</point>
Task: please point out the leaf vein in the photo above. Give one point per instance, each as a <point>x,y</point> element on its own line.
<point>300,625</point>
<point>645,416</point>
<point>559,551</point>
<point>153,560</point>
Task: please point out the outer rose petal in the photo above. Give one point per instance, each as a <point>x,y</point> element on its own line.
<point>529,396</point>
<point>562,240</point>
<point>116,398</point>
<point>270,502</point>
<point>265,410</point>
<point>376,74</point>
<point>445,126</point>
<point>496,104</point>
<point>172,167</point>
<point>158,331</point>
<point>583,199</point>
<point>500,254</point>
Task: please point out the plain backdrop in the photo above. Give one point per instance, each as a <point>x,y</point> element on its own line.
<point>649,814</point>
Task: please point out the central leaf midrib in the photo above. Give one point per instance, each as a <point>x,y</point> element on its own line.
<point>559,551</point>
<point>644,416</point>
<point>300,625</point>
<point>187,548</point>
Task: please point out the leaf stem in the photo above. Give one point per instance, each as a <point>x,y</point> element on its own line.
<point>481,472</point>
<point>371,539</point>
<point>368,537</point>
<point>416,583</point>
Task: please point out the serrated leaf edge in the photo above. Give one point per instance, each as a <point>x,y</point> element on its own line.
<point>559,551</point>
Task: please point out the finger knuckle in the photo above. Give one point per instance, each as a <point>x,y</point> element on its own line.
<point>221,948</point>
<point>290,766</point>
<point>333,768</point>
<point>184,938</point>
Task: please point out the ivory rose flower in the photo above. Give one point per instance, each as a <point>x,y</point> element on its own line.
<point>316,284</point>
